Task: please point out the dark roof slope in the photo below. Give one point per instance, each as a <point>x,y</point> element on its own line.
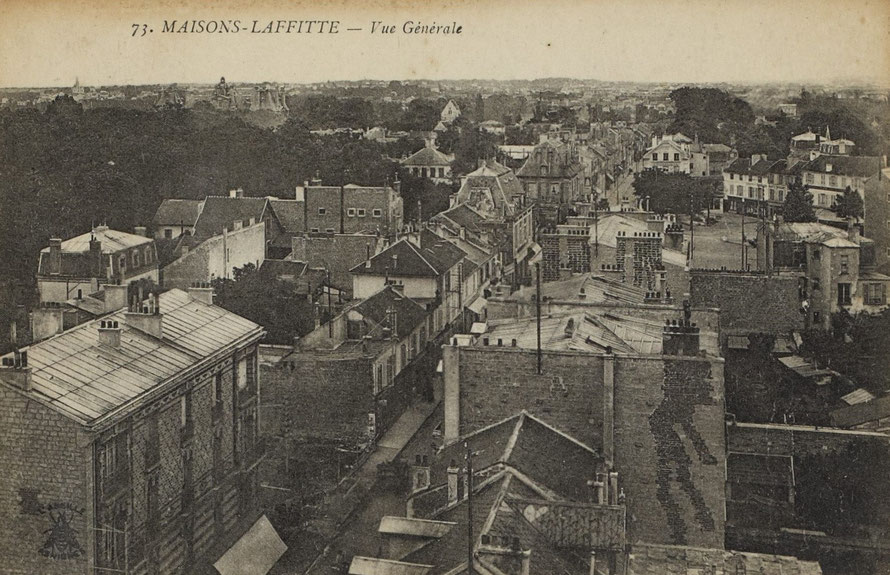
<point>409,314</point>
<point>174,212</point>
<point>220,213</point>
<point>434,257</point>
<point>857,166</point>
<point>291,215</point>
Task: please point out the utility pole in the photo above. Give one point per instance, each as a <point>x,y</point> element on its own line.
<point>538,310</point>
<point>469,458</point>
<point>330,315</point>
<point>743,234</point>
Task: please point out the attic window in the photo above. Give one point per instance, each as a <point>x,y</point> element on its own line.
<point>377,212</point>
<point>361,212</point>
<point>350,212</point>
<point>322,211</point>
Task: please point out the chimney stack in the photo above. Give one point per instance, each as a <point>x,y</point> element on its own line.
<point>681,337</point>
<point>202,292</point>
<point>141,231</point>
<point>453,482</point>
<point>15,371</point>
<point>115,297</point>
<point>146,316</point>
<point>420,473</point>
<point>55,255</point>
<point>109,333</point>
<point>96,255</point>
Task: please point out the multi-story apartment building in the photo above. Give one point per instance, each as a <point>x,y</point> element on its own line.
<point>352,209</point>
<point>553,173</point>
<point>80,265</point>
<point>676,153</point>
<point>827,177</point>
<point>757,185</point>
<point>835,268</point>
<point>130,443</point>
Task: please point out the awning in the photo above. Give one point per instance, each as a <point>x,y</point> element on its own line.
<point>255,553</point>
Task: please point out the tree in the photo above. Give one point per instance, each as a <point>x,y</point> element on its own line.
<point>798,205</point>
<point>850,204</point>
<point>271,303</point>
<point>674,193</point>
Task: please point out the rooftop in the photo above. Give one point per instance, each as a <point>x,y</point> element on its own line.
<point>175,212</point>
<point>427,157</point>
<point>84,380</point>
<point>112,241</point>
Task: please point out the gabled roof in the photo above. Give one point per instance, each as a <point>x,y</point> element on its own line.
<point>375,309</point>
<point>430,259</point>
<point>290,214</point>
<point>220,213</point>
<point>463,215</point>
<point>75,375</point>
<point>175,212</point>
<point>427,157</point>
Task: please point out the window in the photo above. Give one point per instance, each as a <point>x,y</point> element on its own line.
<point>822,179</point>
<point>809,178</point>
<point>361,212</point>
<point>772,195</point>
<point>122,263</point>
<point>843,294</point>
<point>322,211</point>
<point>655,159</point>
<point>823,200</point>
<point>731,176</point>
<point>350,212</point>
<point>875,294</point>
<point>845,264</point>
<point>329,230</point>
<point>136,259</point>
<point>832,181</point>
<point>816,284</point>
<point>314,230</point>
<point>676,157</point>
<point>242,374</point>
<point>403,357</point>
<point>377,212</point>
<point>168,233</point>
<point>781,195</point>
<point>665,156</point>
<point>148,256</point>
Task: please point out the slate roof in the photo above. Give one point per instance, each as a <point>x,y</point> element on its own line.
<point>75,375</point>
<point>464,216</point>
<point>856,166</point>
<point>596,288</point>
<point>499,180</point>
<point>431,259</point>
<point>113,241</point>
<point>743,166</point>
<point>173,212</point>
<point>860,413</point>
<point>427,157</point>
<point>220,213</point>
<point>409,314</point>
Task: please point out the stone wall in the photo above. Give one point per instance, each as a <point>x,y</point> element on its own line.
<point>748,302</point>
<point>668,425</point>
<point>45,490</point>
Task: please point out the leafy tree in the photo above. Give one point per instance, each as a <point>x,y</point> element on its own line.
<point>712,114</point>
<point>273,304</point>
<point>850,204</point>
<point>798,205</point>
<point>675,193</point>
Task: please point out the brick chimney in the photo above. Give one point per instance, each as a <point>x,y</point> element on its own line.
<point>55,256</point>
<point>15,371</point>
<point>146,316</point>
<point>141,231</point>
<point>681,337</point>
<point>109,333</point>
<point>96,256</point>
<point>202,292</point>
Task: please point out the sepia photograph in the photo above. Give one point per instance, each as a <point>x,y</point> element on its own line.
<point>441,287</point>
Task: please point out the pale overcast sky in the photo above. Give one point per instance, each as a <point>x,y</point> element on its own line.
<point>49,43</point>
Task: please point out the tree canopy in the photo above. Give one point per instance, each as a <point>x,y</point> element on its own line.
<point>675,193</point>
<point>798,205</point>
<point>850,204</point>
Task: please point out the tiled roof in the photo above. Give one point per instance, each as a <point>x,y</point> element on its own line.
<point>409,314</point>
<point>290,214</point>
<point>431,259</point>
<point>174,212</point>
<point>464,216</point>
<point>75,375</point>
<point>427,157</point>
<point>220,213</point>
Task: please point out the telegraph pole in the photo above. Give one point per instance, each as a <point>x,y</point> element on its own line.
<point>469,458</point>
<point>538,310</point>
<point>743,233</point>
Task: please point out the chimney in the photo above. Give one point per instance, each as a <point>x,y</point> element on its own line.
<point>202,292</point>
<point>239,193</point>
<point>570,327</point>
<point>397,185</point>
<point>115,297</point>
<point>96,255</point>
<point>55,256</point>
<point>109,333</point>
<point>233,193</point>
<point>395,262</point>
<point>420,473</point>
<point>593,563</point>
<point>613,488</point>
<point>681,337</point>
<point>453,482</point>
<point>609,408</point>
<point>15,371</point>
<point>141,231</point>
<point>146,316</point>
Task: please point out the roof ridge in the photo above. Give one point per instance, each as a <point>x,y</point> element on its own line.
<point>563,434</point>
<point>420,255</point>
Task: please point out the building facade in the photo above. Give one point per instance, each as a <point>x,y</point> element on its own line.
<point>140,456</point>
<point>80,265</point>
